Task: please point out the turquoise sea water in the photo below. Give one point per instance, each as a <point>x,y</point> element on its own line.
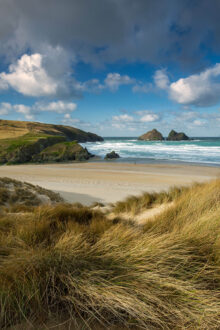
<point>198,150</point>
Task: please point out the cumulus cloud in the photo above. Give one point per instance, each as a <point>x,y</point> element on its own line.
<point>40,75</point>
<point>150,117</point>
<point>125,118</point>
<point>24,110</point>
<point>47,74</point>
<point>138,120</point>
<point>29,112</point>
<point>147,116</point>
<point>200,90</point>
<point>114,80</point>
<point>29,77</point>
<point>57,107</point>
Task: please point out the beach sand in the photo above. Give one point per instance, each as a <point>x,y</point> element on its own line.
<point>107,182</point>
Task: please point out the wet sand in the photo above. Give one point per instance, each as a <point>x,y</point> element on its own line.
<point>108,182</point>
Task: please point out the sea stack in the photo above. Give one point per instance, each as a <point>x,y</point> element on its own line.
<point>112,155</point>
<point>153,135</point>
<point>175,136</point>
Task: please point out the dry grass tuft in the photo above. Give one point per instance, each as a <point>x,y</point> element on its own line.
<point>72,261</point>
<point>136,204</point>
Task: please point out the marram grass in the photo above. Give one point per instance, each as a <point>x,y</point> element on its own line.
<point>70,263</point>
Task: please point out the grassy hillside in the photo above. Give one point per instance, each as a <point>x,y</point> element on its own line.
<point>72,265</point>
<point>23,148</point>
<point>22,142</point>
<point>13,129</point>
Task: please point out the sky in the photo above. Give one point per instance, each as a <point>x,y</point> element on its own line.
<point>112,67</point>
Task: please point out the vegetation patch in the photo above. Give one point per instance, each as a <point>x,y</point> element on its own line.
<point>16,194</point>
<point>22,149</point>
<point>73,261</point>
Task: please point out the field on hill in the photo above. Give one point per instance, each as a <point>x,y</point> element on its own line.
<point>97,268</point>
<point>13,129</point>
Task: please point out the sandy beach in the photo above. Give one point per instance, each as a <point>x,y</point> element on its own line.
<point>107,182</point>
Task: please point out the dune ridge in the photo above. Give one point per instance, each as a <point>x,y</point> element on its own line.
<point>72,264</point>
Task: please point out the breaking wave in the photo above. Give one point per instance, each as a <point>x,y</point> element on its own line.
<point>199,150</point>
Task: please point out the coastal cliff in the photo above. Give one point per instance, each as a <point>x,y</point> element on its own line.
<point>23,142</point>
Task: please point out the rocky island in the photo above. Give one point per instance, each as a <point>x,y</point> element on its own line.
<point>153,135</point>
<point>22,142</point>
<point>175,136</point>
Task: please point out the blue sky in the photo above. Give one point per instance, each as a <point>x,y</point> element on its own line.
<point>116,68</point>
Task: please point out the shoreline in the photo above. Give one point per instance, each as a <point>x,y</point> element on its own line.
<point>151,161</point>
<point>107,182</point>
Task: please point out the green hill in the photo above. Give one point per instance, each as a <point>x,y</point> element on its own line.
<point>13,129</point>
<point>22,142</point>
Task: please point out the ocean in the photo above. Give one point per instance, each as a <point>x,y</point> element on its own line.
<point>204,151</point>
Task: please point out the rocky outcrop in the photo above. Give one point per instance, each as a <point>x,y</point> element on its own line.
<point>22,150</point>
<point>61,152</point>
<point>112,155</point>
<point>153,135</point>
<point>175,136</point>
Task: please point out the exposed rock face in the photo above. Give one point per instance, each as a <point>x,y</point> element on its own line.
<point>174,136</point>
<point>64,151</point>
<point>153,135</point>
<point>112,155</point>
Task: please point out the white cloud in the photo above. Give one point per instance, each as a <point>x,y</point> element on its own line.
<point>137,121</point>
<point>198,122</point>
<point>29,112</point>
<point>57,107</point>
<point>28,77</point>
<point>24,110</point>
<point>161,79</point>
<point>125,118</point>
<point>149,118</point>
<point>49,74</point>
<point>114,80</point>
<point>199,89</point>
